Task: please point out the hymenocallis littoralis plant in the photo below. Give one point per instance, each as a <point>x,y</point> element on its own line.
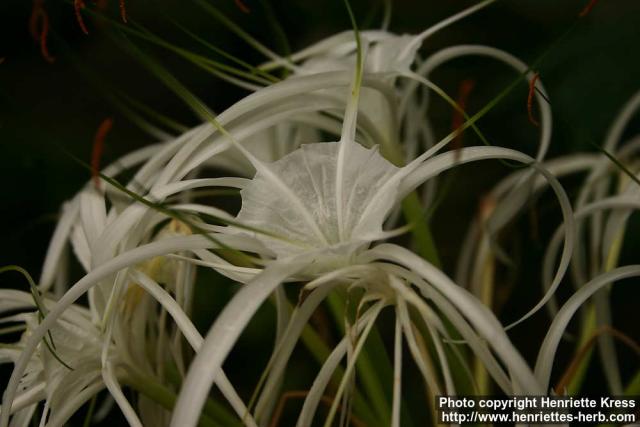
<point>327,161</point>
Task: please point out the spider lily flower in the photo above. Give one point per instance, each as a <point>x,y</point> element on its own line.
<point>120,338</point>
<point>320,215</point>
<point>604,245</point>
<point>606,233</point>
<point>66,380</point>
<point>333,244</point>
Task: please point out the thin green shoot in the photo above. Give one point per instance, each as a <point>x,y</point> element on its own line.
<point>370,373</point>
<point>172,213</point>
<point>223,53</point>
<point>216,68</point>
<point>278,30</point>
<point>161,118</point>
<point>119,99</point>
<point>359,66</point>
<point>250,40</point>
<point>42,310</point>
<point>601,149</point>
<point>203,62</point>
<point>89,415</point>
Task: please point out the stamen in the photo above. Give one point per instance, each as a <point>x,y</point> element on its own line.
<point>584,12</point>
<point>43,38</point>
<point>39,15</point>
<point>486,207</point>
<point>583,351</point>
<point>98,146</point>
<point>465,88</point>
<point>532,90</point>
<point>243,7</point>
<point>33,19</point>
<point>123,11</point>
<point>78,5</point>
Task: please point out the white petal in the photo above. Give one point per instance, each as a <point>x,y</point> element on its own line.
<point>546,355</point>
<point>221,338</point>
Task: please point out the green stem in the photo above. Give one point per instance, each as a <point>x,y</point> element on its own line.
<point>369,373</point>
<point>415,216</point>
<point>160,394</point>
<point>413,210</point>
<point>320,352</point>
<point>89,416</point>
<point>633,388</point>
<point>586,332</point>
<point>486,296</point>
<point>589,326</point>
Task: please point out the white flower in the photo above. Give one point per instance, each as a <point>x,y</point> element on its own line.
<point>66,373</point>
<point>121,338</point>
<point>318,210</point>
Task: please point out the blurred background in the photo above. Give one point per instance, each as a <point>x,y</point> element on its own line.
<point>45,107</point>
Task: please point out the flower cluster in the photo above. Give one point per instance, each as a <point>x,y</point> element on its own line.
<point>326,161</point>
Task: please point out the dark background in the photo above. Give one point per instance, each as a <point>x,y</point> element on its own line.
<point>589,75</point>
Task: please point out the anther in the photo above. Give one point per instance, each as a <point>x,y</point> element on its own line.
<point>465,88</point>
<point>123,11</point>
<point>243,7</point>
<point>98,147</point>
<point>78,5</point>
<point>584,12</point>
<point>532,90</point>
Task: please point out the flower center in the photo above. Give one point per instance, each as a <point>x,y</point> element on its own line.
<point>296,199</point>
